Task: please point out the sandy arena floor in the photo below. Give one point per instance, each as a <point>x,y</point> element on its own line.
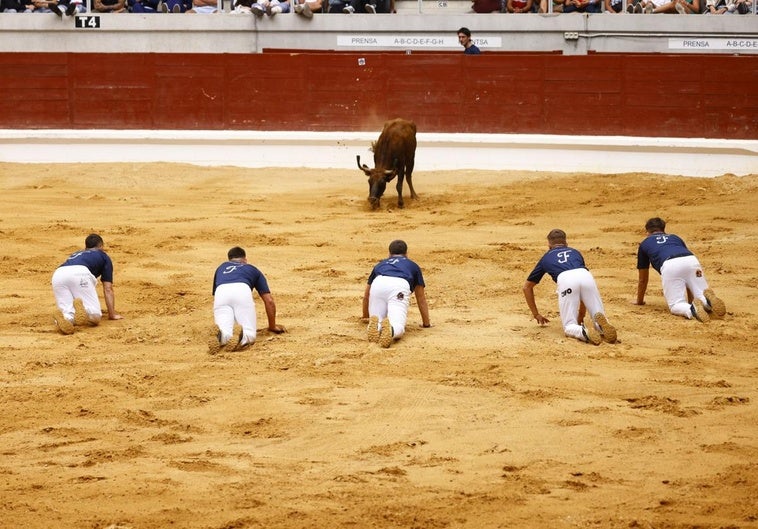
<point>485,420</point>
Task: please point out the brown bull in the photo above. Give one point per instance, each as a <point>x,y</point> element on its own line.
<point>394,154</point>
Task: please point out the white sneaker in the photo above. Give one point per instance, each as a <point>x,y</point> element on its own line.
<point>348,10</point>
<point>274,10</point>
<point>370,8</point>
<point>649,9</point>
<point>680,9</point>
<point>257,11</point>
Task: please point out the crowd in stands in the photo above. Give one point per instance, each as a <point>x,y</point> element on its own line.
<point>683,7</point>
<point>307,8</point>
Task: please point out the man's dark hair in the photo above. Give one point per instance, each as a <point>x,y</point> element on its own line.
<point>556,236</point>
<point>655,224</point>
<point>465,31</point>
<point>93,240</point>
<point>398,247</point>
<point>236,253</point>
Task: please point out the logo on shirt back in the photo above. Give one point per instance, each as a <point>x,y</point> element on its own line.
<point>563,256</point>
<point>661,239</point>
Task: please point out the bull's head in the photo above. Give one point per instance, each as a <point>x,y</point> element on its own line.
<point>377,181</point>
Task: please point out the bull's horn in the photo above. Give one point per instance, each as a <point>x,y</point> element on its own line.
<point>363,167</point>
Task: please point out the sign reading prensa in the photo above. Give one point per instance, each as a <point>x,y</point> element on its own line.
<point>88,22</point>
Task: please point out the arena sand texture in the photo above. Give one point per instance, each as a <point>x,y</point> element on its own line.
<point>485,420</point>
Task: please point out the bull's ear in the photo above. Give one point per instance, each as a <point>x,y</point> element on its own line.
<point>389,174</point>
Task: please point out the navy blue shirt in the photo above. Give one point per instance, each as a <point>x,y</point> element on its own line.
<point>398,266</point>
<point>657,248</point>
<point>555,261</point>
<point>472,50</point>
<point>96,261</point>
<point>237,272</point>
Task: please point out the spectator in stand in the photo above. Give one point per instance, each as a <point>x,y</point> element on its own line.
<point>614,6</point>
<point>715,7</point>
<point>109,6</point>
<point>306,8</point>
<point>17,6</point>
<point>369,6</point>
<point>464,37</point>
<point>183,6</point>
<point>557,6</point>
<point>241,7</point>
<point>270,7</point>
<point>337,6</point>
<point>203,7</point>
<point>582,6</point>
<point>683,7</point>
<point>519,6</point>
<point>144,6</point>
<point>732,7</point>
<point>487,6</point>
<point>60,7</point>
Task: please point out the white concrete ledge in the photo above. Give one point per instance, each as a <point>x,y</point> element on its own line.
<point>227,33</point>
<point>436,151</point>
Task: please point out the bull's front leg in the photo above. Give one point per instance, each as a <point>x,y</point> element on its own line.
<point>399,187</point>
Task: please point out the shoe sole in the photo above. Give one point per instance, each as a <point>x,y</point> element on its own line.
<point>593,336</point>
<point>373,329</point>
<point>700,314</point>
<point>385,335</point>
<point>80,315</point>
<point>234,342</point>
<point>718,308</point>
<point>607,330</point>
<point>63,325</point>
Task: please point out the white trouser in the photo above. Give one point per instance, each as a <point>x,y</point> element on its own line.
<point>234,302</point>
<point>575,287</point>
<point>678,275</point>
<point>72,282</point>
<point>390,297</point>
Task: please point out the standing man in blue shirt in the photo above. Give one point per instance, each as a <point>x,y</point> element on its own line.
<point>233,285</point>
<point>577,292</point>
<point>464,37</point>
<point>684,285</point>
<point>388,295</point>
<point>74,285</point>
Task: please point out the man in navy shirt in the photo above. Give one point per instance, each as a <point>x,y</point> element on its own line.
<point>388,295</point>
<point>464,37</point>
<point>74,285</point>
<point>684,285</point>
<point>577,292</point>
<point>233,285</point>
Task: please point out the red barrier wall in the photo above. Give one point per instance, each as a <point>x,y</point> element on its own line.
<point>708,96</point>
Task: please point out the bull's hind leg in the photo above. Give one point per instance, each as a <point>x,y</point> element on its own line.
<point>409,177</point>
<point>399,187</point>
